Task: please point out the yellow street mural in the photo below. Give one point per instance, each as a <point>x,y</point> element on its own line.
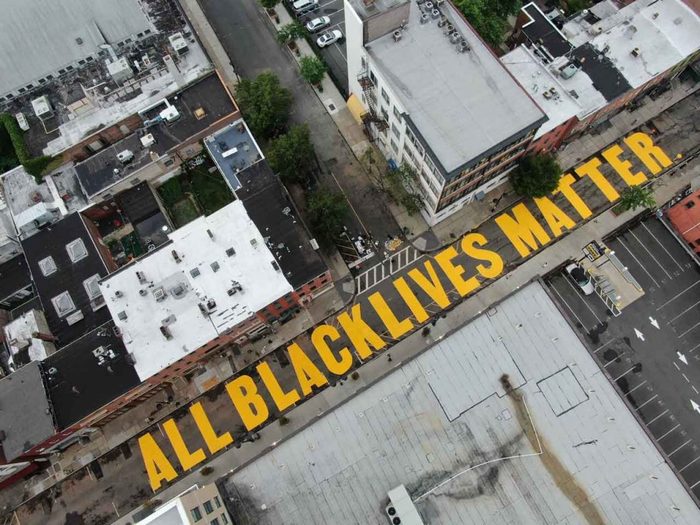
<point>437,282</point>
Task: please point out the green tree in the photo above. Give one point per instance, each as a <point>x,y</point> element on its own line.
<point>269,4</point>
<point>265,104</point>
<point>636,197</point>
<point>312,69</point>
<point>327,211</point>
<point>292,155</point>
<point>290,32</point>
<point>536,176</point>
<point>485,18</point>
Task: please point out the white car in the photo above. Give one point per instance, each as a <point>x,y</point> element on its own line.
<point>318,23</point>
<point>329,37</point>
<point>581,278</point>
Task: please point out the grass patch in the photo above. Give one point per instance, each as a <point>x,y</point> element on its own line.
<point>210,189</point>
<point>171,192</point>
<point>184,211</point>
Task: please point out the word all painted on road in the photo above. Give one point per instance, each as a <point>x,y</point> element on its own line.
<point>340,349</point>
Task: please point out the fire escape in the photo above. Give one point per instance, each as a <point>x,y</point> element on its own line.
<point>371,116</point>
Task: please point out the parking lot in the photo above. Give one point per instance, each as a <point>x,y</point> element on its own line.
<point>652,350</point>
<point>335,54</point>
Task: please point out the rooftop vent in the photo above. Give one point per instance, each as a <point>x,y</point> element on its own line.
<point>178,291</point>
<point>118,293</point>
<point>199,113</point>
<point>159,294</point>
<point>143,292</point>
<point>122,316</point>
<point>455,37</point>
<point>230,252</point>
<point>194,272</point>
<point>435,13</point>
<point>424,18</point>
<point>166,332</point>
<point>275,266</point>
<point>170,114</point>
<point>214,266</point>
<point>176,256</point>
<point>125,156</point>
<point>141,277</point>
<point>636,52</point>
<point>462,46</point>
<point>148,140</point>
<point>254,243</point>
<point>210,234</point>
<point>397,35</point>
<point>429,5</point>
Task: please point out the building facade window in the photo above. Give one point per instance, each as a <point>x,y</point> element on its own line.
<point>397,114</point>
<point>385,95</point>
<point>208,507</point>
<point>395,131</point>
<point>394,146</point>
<point>196,514</point>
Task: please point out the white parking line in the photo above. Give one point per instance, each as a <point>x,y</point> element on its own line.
<point>689,330</point>
<point>684,444</point>
<point>681,470</point>
<point>694,484</point>
<point>619,239</point>
<point>669,432</point>
<point>677,296</point>
<point>623,375</point>
<point>650,254</point>
<point>686,378</point>
<point>576,291</point>
<point>647,402</point>
<point>657,417</point>
<point>604,345</point>
<point>684,311</point>
<point>569,307</point>
<point>341,52</point>
<point>321,6</point>
<point>694,348</point>
<point>663,247</point>
<point>636,387</point>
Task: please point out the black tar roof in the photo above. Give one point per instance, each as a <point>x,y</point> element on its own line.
<point>69,276</point>
<point>14,275</point>
<point>80,380</point>
<point>605,76</point>
<point>97,172</point>
<point>266,202</point>
<point>543,32</point>
<point>25,417</point>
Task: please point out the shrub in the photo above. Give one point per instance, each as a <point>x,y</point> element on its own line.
<point>312,69</point>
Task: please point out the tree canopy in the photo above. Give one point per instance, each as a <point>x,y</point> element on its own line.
<point>290,32</point>
<point>327,211</point>
<point>269,4</point>
<point>489,17</point>
<point>265,104</point>
<point>536,176</point>
<point>636,197</point>
<point>312,69</point>
<point>292,155</point>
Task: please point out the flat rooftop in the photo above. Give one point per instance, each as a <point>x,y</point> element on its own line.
<point>663,33</point>
<point>14,275</point>
<point>70,30</point>
<point>369,9</point>
<point>233,149</point>
<point>25,418</point>
<point>205,263</point>
<point>200,105</point>
<point>66,268</point>
<point>462,104</point>
<point>270,208</point>
<point>467,451</point>
<point>87,374</point>
<point>20,338</point>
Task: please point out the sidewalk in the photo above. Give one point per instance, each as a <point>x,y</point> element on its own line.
<point>374,370</point>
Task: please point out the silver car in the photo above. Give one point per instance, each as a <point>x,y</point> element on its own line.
<point>329,37</point>
<point>318,23</point>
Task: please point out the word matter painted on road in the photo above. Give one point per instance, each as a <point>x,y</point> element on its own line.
<point>438,282</point>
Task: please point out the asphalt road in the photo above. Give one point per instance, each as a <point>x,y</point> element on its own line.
<point>248,37</point>
<point>652,350</point>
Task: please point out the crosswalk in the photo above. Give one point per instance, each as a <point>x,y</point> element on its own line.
<point>385,269</point>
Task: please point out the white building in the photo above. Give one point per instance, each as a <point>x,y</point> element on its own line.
<point>28,339</point>
<point>209,280</point>
<point>434,96</point>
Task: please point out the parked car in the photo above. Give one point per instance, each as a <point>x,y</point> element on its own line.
<point>318,23</point>
<point>581,278</point>
<point>304,6</point>
<point>329,37</point>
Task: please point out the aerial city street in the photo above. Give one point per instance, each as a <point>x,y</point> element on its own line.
<point>349,261</point>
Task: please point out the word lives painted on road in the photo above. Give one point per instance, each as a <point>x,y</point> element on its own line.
<point>438,282</point>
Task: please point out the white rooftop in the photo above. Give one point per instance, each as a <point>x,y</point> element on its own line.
<point>39,37</point>
<point>664,31</point>
<point>537,80</point>
<point>215,253</point>
<point>462,104</point>
<point>19,335</point>
<point>443,426</point>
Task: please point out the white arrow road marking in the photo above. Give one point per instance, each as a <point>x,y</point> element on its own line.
<point>682,358</point>
<point>654,323</point>
<point>639,334</point>
<point>695,406</point>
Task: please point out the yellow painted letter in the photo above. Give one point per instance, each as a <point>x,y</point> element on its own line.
<point>360,333</point>
<point>590,169</point>
<point>568,192</point>
<point>334,365</point>
<point>454,272</point>
<point>158,467</point>
<point>186,458</point>
<point>623,167</point>
<point>557,220</point>
<point>495,268</point>
<point>308,374</point>
<point>282,399</point>
<point>249,404</point>
<point>397,329</point>
<point>523,230</point>
<point>653,157</point>
<point>409,297</point>
<point>213,441</point>
<point>431,284</point>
